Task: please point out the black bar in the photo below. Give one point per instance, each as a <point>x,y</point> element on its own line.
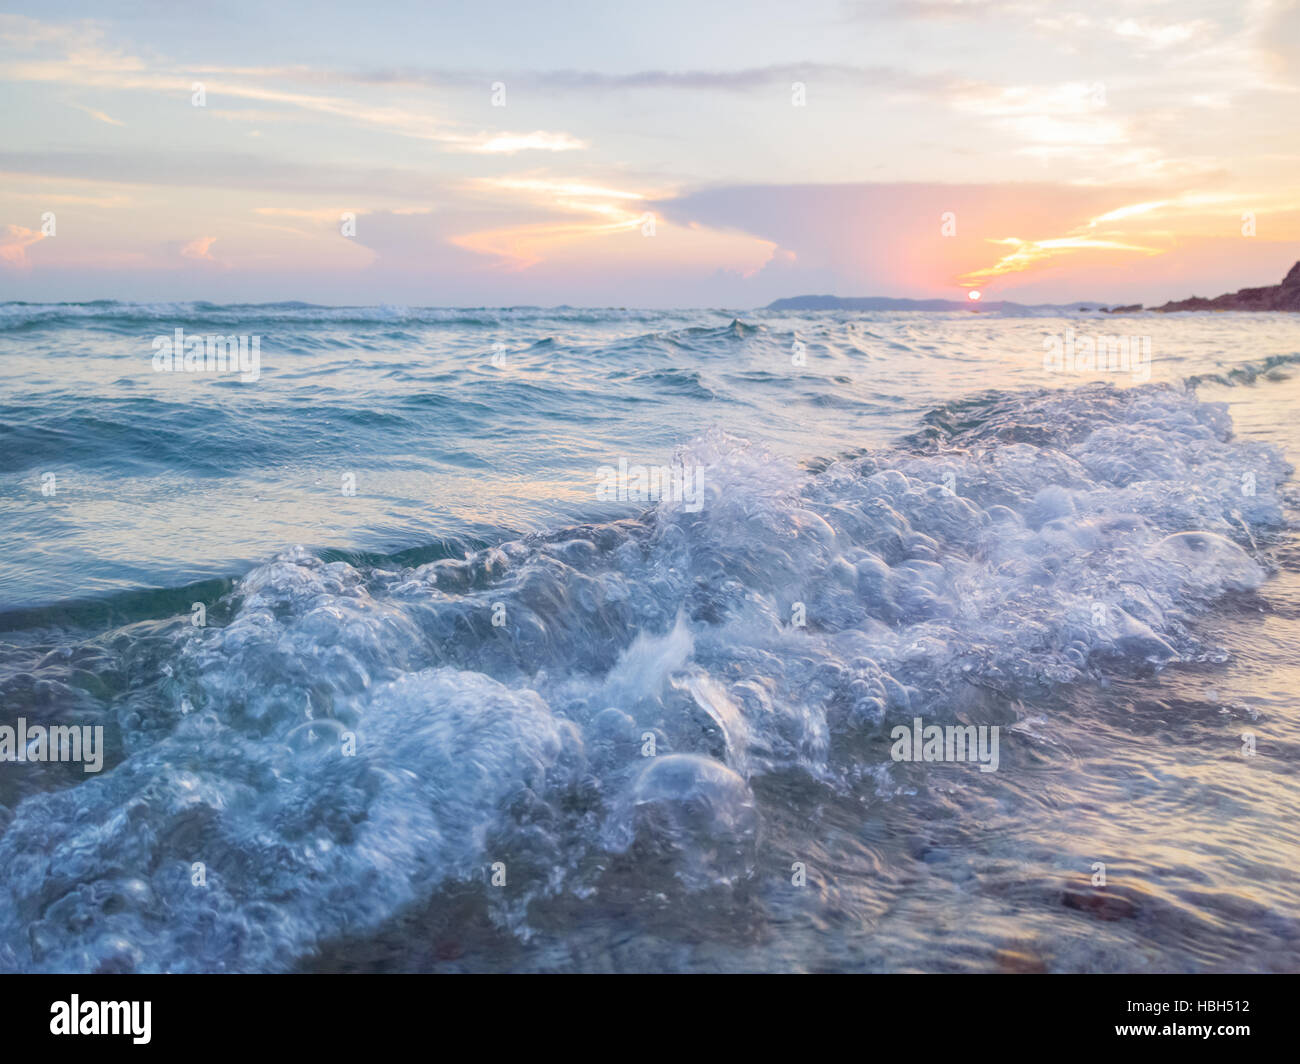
<point>329,1013</point>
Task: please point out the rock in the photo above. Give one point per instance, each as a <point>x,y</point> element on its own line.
<point>1284,296</point>
<point>1100,902</point>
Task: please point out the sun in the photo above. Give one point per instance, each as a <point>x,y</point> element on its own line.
<point>973,295</point>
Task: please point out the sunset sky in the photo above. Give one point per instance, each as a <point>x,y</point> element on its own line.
<point>1111,151</point>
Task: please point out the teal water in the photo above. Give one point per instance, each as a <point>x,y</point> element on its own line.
<point>396,534</point>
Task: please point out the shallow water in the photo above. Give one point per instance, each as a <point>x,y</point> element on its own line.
<point>1102,566</point>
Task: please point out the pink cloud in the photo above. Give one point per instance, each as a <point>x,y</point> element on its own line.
<point>14,245</point>
<point>199,249</point>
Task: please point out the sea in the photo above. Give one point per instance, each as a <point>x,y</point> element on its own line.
<point>612,640</point>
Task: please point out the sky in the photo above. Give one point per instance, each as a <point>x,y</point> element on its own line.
<point>495,153</point>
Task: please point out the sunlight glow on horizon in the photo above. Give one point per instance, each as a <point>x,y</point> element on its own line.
<point>1104,165</point>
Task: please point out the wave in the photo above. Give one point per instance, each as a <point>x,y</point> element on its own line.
<point>348,738</point>
<point>1271,368</point>
<point>18,315</point>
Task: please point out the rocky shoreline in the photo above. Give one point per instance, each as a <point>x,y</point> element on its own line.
<point>1284,296</point>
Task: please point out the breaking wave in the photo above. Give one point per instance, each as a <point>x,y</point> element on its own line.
<point>346,740</point>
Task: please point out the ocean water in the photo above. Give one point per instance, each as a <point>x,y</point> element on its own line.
<point>454,708</point>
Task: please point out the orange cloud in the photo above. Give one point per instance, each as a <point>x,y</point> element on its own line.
<point>199,249</point>
<point>1147,228</point>
<point>1031,253</point>
<point>14,245</point>
<point>521,246</point>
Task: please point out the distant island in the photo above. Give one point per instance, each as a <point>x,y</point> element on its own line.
<point>1284,296</point>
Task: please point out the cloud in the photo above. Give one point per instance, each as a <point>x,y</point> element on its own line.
<point>538,140</point>
<point>551,189</point>
<point>199,249</point>
<point>74,55</point>
<point>1158,36</point>
<point>1027,254</point>
<point>201,169</point>
<point>519,247</point>
<point>69,198</point>
<point>743,79</point>
<point>1061,241</point>
<point>316,214</point>
<point>1278,38</point>
<point>941,10</point>
<point>98,116</point>
<point>888,239</point>
<point>1069,118</point>
<point>405,122</point>
<point>14,244</point>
